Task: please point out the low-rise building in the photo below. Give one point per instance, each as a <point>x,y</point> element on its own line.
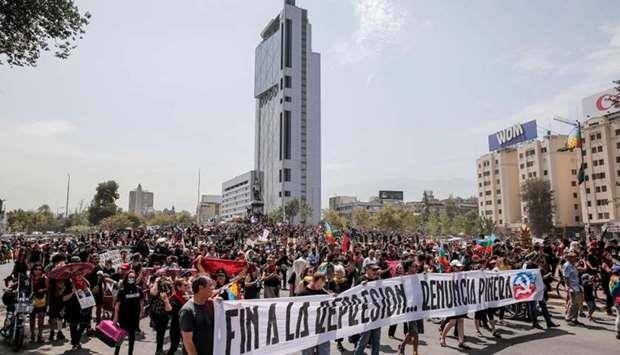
<point>340,200</point>
<point>241,195</point>
<point>209,208</point>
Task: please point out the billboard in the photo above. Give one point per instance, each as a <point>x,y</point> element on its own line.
<point>390,195</point>
<point>510,136</point>
<point>600,104</point>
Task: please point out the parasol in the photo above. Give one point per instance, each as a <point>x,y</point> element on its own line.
<point>66,271</point>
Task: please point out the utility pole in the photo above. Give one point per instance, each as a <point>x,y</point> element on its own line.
<point>198,205</point>
<point>67,203</point>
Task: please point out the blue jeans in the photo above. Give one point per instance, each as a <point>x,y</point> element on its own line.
<point>321,349</point>
<point>374,336</point>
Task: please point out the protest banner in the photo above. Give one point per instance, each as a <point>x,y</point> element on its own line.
<point>286,325</point>
<point>114,255</point>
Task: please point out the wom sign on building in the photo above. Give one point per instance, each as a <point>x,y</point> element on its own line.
<point>286,325</point>
<point>512,135</point>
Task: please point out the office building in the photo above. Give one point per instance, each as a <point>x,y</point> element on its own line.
<point>287,90</point>
<point>241,195</point>
<point>141,201</point>
<point>541,159</point>
<point>336,201</point>
<point>601,140</point>
<point>209,208</point>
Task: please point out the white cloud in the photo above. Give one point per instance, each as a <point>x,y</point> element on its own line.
<point>614,32</point>
<point>536,60</point>
<point>380,23</point>
<point>46,128</point>
<point>594,70</point>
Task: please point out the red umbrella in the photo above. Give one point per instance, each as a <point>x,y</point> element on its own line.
<point>65,272</point>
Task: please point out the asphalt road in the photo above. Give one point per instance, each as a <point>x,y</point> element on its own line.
<point>517,338</point>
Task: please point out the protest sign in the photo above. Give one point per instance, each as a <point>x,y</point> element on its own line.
<point>114,255</point>
<point>285,325</point>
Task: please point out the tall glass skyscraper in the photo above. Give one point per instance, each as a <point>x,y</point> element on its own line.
<point>287,88</point>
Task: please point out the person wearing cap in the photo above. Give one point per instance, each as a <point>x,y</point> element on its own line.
<point>373,335</point>
<point>614,289</point>
<point>575,291</point>
<point>196,318</point>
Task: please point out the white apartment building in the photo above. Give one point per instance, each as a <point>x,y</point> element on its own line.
<point>239,195</point>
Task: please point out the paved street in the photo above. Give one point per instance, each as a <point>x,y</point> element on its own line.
<point>518,338</point>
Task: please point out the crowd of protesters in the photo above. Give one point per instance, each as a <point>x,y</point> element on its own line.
<point>160,275</point>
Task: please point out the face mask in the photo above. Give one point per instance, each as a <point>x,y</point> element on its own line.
<point>131,281</point>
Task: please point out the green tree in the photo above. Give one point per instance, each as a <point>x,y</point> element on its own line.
<point>28,27</point>
<point>305,211</point>
<point>433,226</point>
<point>486,226</point>
<point>538,199</point>
<point>410,222</point>
<point>161,219</point>
<point>103,204</point>
<point>277,214</point>
<point>362,219</point>
<point>184,218</point>
<point>389,218</point>
<point>445,224</point>
<point>451,208</point>
<point>291,209</point>
<point>335,219</point>
<point>466,223</point>
<point>121,221</point>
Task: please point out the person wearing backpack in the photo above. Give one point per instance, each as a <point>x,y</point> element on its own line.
<point>159,309</point>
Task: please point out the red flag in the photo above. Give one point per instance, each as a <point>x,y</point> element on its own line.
<point>392,265</point>
<point>231,267</point>
<point>346,241</point>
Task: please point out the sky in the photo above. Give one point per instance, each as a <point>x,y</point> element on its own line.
<point>410,92</point>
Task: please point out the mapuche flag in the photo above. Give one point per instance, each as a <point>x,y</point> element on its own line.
<point>487,243</point>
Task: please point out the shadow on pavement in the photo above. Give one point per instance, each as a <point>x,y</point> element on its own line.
<point>502,344</point>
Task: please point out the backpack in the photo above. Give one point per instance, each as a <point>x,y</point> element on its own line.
<point>156,306</point>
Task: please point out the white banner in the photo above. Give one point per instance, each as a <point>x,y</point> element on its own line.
<point>286,325</point>
<point>114,255</point>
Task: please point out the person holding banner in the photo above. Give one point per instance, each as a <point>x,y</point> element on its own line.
<point>271,279</point>
<point>373,335</point>
<point>412,328</point>
<point>316,287</point>
<point>457,321</point>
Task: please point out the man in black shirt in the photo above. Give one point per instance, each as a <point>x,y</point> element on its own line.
<point>316,287</point>
<point>196,319</point>
<point>373,335</point>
